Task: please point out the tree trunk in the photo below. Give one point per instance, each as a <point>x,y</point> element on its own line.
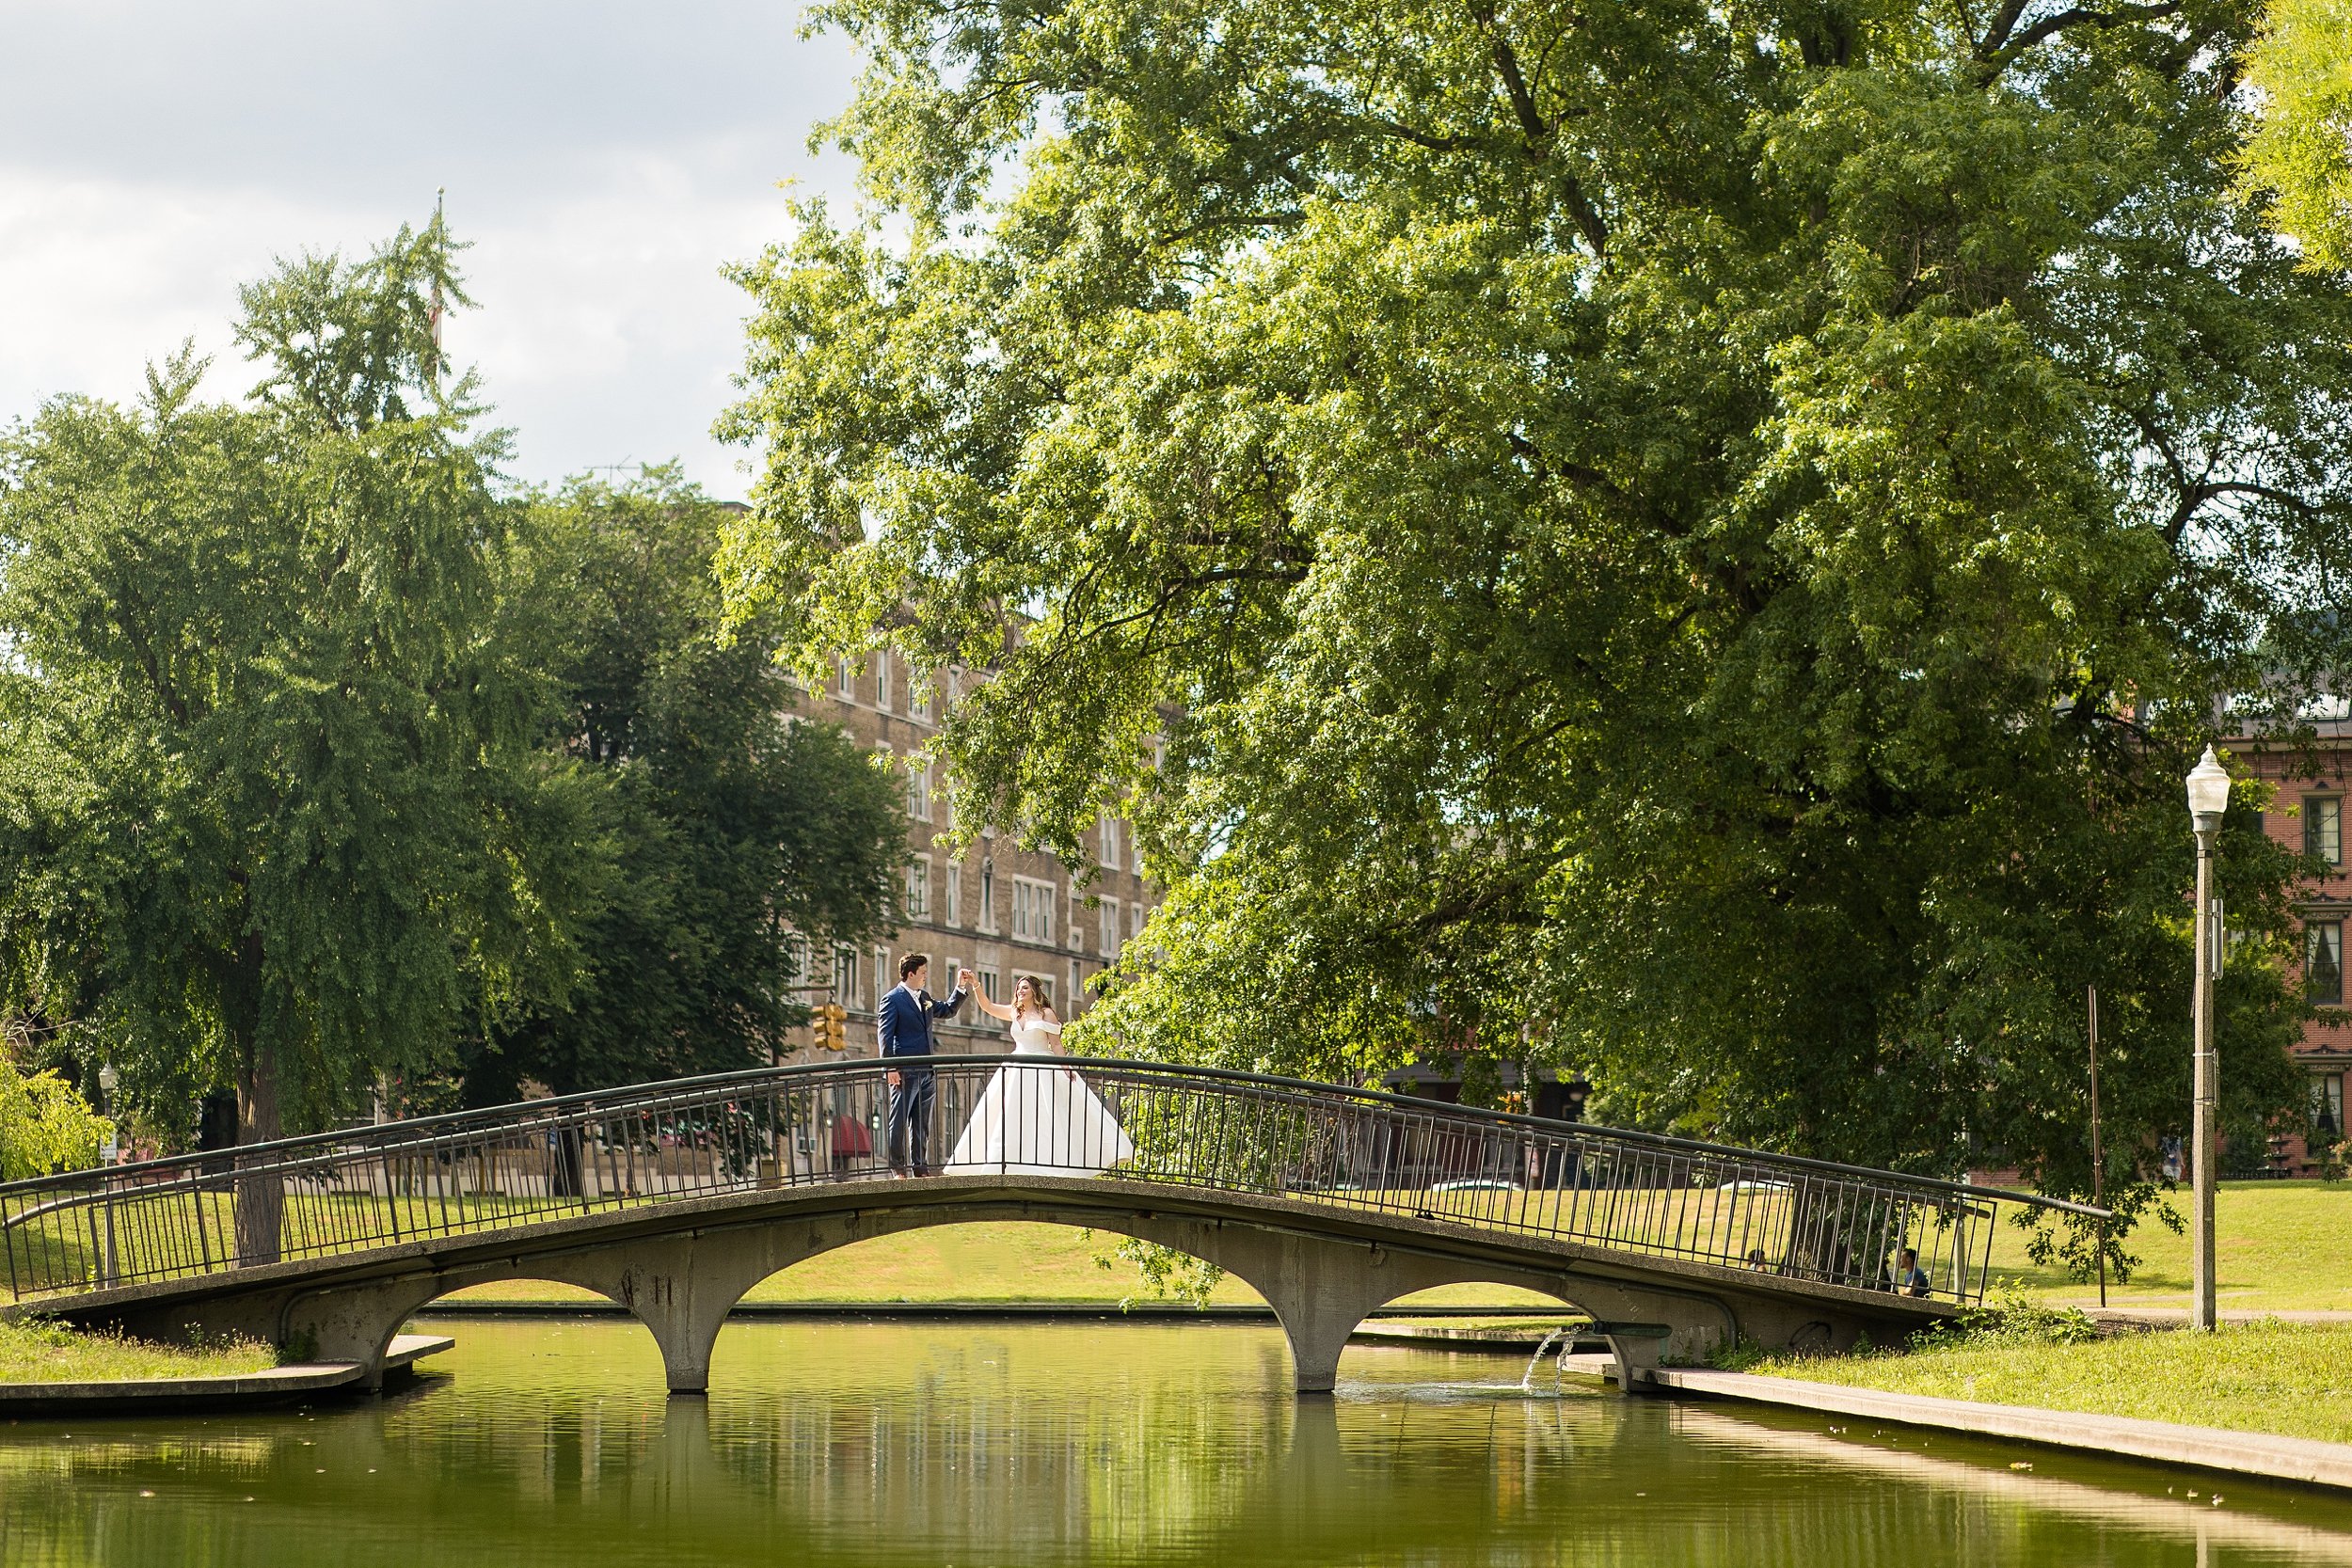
<point>261,1199</point>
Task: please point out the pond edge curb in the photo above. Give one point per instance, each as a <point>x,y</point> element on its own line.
<point>2299,1460</point>
<point>270,1386</point>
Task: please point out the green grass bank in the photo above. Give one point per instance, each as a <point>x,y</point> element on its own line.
<point>2279,1246</point>
<point>2286,1378</point>
<point>48,1353</point>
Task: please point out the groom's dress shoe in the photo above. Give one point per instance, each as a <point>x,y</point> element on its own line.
<point>901,1172</point>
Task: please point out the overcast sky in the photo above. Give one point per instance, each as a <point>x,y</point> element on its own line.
<point>606,159</point>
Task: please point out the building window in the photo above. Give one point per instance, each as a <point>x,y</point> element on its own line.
<point>2323,961</point>
<point>988,986</point>
<point>988,895</point>
<point>1106,829</point>
<point>919,790</point>
<point>844,680</point>
<point>844,977</point>
<point>1135,921</point>
<point>1033,910</point>
<point>881,679</point>
<point>919,891</point>
<point>955,893</point>
<point>884,978</point>
<point>1077,923</point>
<point>1107,927</point>
<point>2323,828</point>
<point>944,980</point>
<point>2327,1110</point>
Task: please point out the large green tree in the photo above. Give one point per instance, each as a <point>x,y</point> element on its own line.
<point>272,806</point>
<point>2299,159</point>
<point>1698,540</point>
<point>746,834</point>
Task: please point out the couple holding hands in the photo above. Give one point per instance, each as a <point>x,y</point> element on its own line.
<point>1035,1119</point>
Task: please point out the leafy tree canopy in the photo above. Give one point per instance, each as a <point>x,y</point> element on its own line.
<point>1696,540</point>
<point>44,1126</point>
<point>2299,153</point>
<point>272,806</point>
<point>734,820</point>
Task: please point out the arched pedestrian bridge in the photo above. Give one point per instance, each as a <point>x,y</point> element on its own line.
<point>674,1200</point>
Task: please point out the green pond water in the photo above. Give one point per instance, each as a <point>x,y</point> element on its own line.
<point>981,1444</point>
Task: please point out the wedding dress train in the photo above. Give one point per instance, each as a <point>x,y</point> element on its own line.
<point>1038,1119</point>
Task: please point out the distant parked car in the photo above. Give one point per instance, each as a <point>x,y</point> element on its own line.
<point>1476,1184</point>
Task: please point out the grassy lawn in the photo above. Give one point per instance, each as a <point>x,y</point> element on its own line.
<point>46,1353</point>
<point>2282,1378</point>
<point>998,1261</point>
<point>2282,1246</point>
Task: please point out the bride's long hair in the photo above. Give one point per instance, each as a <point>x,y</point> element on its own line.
<point>1038,998</point>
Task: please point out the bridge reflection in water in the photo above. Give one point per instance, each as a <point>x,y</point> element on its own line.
<point>670,1197</point>
<point>852,1444</point>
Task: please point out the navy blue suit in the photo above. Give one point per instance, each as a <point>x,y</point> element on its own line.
<point>905,1028</point>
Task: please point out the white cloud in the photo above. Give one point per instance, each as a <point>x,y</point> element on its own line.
<point>606,160</point>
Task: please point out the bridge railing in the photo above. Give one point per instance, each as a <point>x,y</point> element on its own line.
<point>476,1173</point>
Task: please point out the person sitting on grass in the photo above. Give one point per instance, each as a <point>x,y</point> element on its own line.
<point>1910,1279</point>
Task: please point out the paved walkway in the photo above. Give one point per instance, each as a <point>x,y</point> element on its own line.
<point>2252,1453</point>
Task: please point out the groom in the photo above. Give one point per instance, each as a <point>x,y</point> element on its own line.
<point>905,1026</point>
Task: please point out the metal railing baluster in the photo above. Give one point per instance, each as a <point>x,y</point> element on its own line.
<point>1358,1149</point>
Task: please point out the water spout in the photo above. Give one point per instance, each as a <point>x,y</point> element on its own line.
<point>1527,1378</point>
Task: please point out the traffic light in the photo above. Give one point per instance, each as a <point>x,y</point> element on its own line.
<point>832,1028</point>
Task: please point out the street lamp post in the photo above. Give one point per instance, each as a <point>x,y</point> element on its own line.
<point>2208,798</point>
<point>107,1080</point>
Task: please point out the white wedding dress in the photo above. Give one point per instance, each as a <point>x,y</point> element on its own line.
<point>1039,1121</point>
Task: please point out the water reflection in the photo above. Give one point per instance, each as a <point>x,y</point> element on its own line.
<point>851,1443</point>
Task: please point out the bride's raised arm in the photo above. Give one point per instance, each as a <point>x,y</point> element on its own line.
<point>993,1009</point>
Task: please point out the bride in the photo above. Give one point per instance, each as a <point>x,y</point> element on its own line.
<point>1041,1119</point>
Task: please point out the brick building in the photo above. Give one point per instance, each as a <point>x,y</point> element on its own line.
<point>2307,813</point>
<point>999,910</point>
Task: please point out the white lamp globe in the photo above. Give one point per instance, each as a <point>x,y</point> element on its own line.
<point>2208,793</point>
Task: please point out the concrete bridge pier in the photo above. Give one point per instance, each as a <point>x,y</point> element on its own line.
<point>1320,1291</point>
<point>679,1289</point>
<point>1323,1288</point>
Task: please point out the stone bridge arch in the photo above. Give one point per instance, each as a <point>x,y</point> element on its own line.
<point>683,1283</point>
